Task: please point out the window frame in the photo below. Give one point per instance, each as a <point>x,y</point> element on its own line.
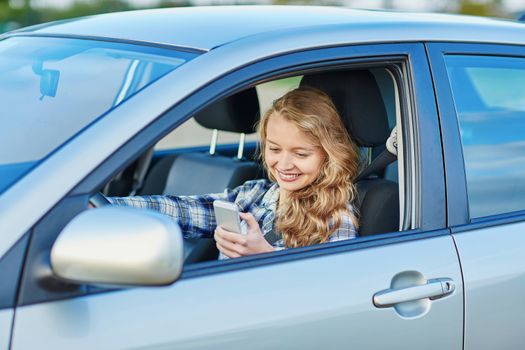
<point>458,215</point>
<point>418,109</point>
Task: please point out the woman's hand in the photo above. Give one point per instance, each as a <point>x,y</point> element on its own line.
<point>234,245</point>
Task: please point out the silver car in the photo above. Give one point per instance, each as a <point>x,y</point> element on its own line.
<point>435,102</point>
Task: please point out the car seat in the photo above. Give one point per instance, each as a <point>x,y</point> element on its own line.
<point>209,172</point>
<point>201,173</point>
<point>358,99</point>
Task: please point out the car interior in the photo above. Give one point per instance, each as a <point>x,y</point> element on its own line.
<point>366,101</point>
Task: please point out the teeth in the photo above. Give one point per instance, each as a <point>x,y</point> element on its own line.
<point>288,176</point>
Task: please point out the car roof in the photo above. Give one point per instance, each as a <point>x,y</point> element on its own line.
<point>207,27</point>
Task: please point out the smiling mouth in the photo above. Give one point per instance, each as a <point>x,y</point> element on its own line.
<point>288,176</point>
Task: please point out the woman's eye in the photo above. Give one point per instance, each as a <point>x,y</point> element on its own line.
<point>302,155</point>
<point>274,149</point>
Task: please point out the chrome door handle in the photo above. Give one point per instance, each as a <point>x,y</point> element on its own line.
<point>434,289</point>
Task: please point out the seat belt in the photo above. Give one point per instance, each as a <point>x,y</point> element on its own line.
<point>389,155</point>
<point>143,163</point>
<point>272,237</point>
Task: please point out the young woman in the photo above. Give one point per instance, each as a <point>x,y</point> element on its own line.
<point>311,163</point>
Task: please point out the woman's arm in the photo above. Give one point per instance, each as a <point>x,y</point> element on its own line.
<point>194,214</point>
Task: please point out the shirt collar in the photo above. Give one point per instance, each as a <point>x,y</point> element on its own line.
<point>269,201</point>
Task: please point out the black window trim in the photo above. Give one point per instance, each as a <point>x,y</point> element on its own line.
<point>458,217</point>
<point>423,112</point>
<point>11,264</point>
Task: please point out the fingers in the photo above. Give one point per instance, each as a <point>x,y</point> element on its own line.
<point>234,245</point>
<point>231,236</point>
<point>230,247</point>
<point>250,220</point>
<point>229,253</point>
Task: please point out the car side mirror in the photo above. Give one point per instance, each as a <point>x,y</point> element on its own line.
<point>119,246</point>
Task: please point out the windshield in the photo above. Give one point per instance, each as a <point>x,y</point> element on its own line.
<point>51,88</point>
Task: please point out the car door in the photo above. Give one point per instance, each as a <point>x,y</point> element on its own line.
<point>293,303</point>
<point>396,290</point>
<point>481,98</point>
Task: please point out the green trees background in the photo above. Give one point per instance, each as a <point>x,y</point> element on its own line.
<point>14,14</point>
<point>21,13</point>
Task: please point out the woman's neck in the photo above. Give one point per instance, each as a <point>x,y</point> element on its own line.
<point>283,196</point>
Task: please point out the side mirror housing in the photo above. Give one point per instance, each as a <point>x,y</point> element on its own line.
<point>119,246</point>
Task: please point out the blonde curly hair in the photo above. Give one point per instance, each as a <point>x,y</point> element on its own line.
<point>311,214</point>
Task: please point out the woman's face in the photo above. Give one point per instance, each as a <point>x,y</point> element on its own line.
<point>292,157</point>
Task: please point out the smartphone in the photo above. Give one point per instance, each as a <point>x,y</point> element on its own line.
<point>227,215</point>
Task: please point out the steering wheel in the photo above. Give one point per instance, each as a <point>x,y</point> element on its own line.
<point>98,200</point>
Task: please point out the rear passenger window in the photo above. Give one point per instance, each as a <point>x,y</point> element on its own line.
<point>489,96</point>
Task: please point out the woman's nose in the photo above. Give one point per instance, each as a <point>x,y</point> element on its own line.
<point>285,162</point>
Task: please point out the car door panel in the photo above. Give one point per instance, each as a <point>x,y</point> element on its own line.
<point>303,304</point>
<point>484,189</point>
<point>493,272</point>
<point>304,300</point>
<point>6,320</point>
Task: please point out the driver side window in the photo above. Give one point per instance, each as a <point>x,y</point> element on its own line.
<point>184,163</point>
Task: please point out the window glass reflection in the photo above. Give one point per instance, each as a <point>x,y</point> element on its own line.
<point>489,96</point>
<point>53,87</point>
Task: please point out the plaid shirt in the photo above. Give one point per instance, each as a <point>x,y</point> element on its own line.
<point>196,217</point>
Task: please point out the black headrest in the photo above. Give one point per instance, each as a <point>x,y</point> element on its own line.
<point>357,97</point>
<point>236,113</point>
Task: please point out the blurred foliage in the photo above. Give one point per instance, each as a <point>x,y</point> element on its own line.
<point>308,2</point>
<point>84,8</point>
<point>493,8</point>
<point>174,3</point>
<point>12,17</point>
<point>78,9</point>
<point>26,15</point>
